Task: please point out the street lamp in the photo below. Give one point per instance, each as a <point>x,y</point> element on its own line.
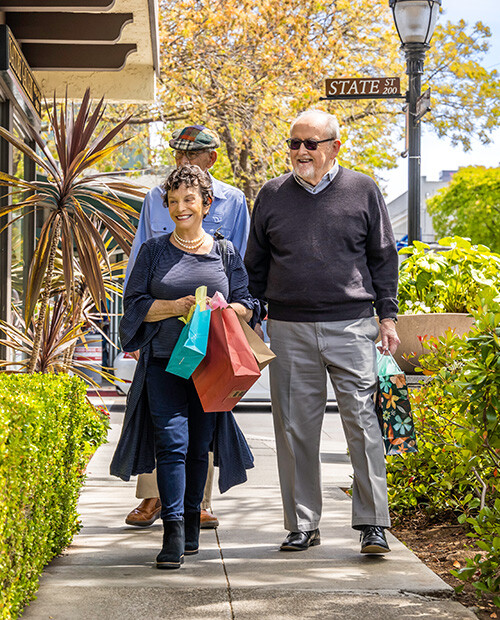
<point>415,21</point>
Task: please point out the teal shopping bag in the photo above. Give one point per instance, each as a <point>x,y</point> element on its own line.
<point>191,347</point>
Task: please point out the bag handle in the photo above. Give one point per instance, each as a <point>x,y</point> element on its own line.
<point>201,300</point>
<point>387,365</point>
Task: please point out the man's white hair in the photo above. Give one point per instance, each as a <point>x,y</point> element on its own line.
<point>331,122</point>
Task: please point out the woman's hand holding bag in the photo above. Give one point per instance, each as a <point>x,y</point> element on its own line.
<point>191,347</point>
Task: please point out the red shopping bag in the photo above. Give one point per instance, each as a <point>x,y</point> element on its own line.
<point>229,368</point>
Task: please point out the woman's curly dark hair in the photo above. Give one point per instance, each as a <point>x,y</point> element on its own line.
<point>190,176</point>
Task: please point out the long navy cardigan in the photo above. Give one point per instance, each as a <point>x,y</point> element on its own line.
<point>134,453</point>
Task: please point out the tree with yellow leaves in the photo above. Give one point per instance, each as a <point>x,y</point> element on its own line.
<point>247,68</point>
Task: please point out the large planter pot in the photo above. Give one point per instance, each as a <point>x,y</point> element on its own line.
<point>412,327</point>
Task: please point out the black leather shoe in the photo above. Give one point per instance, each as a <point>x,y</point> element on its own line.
<point>373,540</point>
<point>299,541</point>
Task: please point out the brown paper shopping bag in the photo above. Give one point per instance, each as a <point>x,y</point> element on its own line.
<point>262,353</point>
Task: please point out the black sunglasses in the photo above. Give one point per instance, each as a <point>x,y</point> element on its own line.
<point>311,145</point>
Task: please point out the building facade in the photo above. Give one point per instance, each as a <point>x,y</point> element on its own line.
<point>398,208</point>
<point>59,48</point>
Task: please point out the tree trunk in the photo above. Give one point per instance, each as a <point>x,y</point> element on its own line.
<point>37,342</point>
<point>75,320</point>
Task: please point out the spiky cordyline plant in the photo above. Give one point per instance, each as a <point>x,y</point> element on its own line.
<point>66,195</point>
<point>66,323</point>
<point>60,333</point>
<point>85,309</point>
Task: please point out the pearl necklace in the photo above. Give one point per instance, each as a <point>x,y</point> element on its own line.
<point>189,245</point>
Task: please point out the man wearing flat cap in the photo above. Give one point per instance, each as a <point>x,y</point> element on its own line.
<point>228,213</point>
<point>229,217</point>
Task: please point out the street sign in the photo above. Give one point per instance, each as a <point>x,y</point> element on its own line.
<point>423,104</point>
<point>363,88</point>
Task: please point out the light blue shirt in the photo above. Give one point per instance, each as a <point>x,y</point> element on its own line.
<point>326,180</point>
<point>228,214</point>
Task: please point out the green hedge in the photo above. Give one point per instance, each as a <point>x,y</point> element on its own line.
<point>48,432</point>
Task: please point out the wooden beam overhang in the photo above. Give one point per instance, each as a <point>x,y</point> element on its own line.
<point>67,27</point>
<point>55,5</point>
<point>109,45</point>
<point>75,57</point>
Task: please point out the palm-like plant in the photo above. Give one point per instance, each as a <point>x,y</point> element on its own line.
<point>70,195</point>
<point>65,325</point>
<point>60,333</point>
<point>82,307</point>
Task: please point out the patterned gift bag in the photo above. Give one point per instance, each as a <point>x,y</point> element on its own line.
<point>393,408</point>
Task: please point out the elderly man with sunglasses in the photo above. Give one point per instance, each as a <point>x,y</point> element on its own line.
<point>322,253</point>
<point>228,216</point>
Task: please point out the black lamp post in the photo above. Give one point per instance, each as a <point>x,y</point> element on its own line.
<point>415,21</point>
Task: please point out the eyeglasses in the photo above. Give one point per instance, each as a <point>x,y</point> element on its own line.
<point>311,145</point>
<point>190,155</point>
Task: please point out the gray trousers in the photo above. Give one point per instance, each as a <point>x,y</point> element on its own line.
<point>305,353</point>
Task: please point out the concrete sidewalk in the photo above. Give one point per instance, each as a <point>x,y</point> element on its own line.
<point>109,573</point>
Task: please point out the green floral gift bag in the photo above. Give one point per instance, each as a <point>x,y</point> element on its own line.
<point>393,407</point>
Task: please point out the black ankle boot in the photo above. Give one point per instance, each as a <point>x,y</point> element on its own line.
<point>172,553</point>
<point>192,529</point>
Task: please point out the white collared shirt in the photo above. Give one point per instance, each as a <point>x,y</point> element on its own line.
<point>326,180</point>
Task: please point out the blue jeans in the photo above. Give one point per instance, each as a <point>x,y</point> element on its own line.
<point>183,435</point>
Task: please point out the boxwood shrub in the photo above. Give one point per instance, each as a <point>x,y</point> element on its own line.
<point>457,468</point>
<point>48,432</point>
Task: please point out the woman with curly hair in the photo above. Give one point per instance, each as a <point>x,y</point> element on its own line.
<point>161,288</point>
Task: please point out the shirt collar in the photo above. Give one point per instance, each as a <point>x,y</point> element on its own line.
<point>217,187</point>
<point>326,180</point>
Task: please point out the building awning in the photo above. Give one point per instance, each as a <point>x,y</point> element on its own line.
<point>110,46</point>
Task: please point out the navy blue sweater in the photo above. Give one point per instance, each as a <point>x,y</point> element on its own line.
<point>329,256</point>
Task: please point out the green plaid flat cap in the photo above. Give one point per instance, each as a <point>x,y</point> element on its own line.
<point>194,138</point>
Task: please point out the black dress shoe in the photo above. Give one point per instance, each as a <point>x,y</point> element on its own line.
<point>299,541</point>
<point>373,540</point>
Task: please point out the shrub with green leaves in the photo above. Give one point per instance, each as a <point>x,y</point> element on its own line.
<point>457,468</point>
<point>447,280</point>
<point>469,206</point>
<point>48,432</point>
